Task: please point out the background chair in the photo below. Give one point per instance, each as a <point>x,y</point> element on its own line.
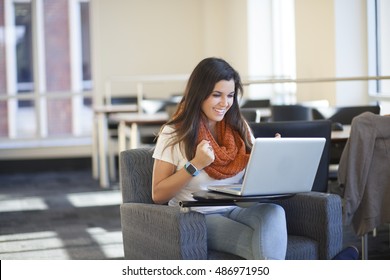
<point>255,103</point>
<point>153,231</point>
<point>319,128</point>
<point>171,109</point>
<point>318,107</point>
<point>364,175</point>
<point>291,113</point>
<point>147,132</point>
<point>344,116</point>
<point>249,105</point>
<point>251,114</point>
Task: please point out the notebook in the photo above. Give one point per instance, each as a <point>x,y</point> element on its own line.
<point>278,166</point>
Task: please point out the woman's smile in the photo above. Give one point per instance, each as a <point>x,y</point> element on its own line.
<point>219,101</point>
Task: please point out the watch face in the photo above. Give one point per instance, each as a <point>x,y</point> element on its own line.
<point>191,169</point>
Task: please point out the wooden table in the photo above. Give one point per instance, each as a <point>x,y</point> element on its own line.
<point>128,126</point>
<point>100,139</point>
<point>341,135</point>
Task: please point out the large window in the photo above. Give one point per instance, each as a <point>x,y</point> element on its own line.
<point>271,42</point>
<point>47,69</point>
<point>23,47</point>
<point>379,45</point>
<point>20,70</point>
<point>85,46</point>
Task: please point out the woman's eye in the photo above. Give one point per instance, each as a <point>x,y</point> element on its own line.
<point>218,95</point>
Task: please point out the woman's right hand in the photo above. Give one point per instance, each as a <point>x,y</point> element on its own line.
<point>166,182</point>
<point>204,155</point>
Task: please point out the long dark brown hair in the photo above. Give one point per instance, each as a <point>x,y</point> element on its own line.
<point>200,85</point>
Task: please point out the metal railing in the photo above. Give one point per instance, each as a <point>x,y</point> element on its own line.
<point>314,80</point>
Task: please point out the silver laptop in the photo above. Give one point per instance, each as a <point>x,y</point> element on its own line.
<point>278,166</point>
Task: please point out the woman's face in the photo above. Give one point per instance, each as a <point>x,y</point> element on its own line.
<point>219,101</point>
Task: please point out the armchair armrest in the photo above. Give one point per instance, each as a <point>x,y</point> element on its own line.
<point>317,216</point>
<point>162,232</point>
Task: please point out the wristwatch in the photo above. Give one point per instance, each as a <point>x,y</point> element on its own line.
<point>191,169</point>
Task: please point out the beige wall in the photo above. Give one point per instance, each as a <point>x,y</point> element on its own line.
<point>351,51</point>
<point>225,31</point>
<point>138,37</point>
<point>315,48</point>
<point>331,40</point>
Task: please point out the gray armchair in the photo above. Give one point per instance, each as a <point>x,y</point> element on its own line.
<point>150,231</point>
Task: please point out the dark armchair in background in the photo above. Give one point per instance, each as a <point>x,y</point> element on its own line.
<point>150,231</point>
<point>255,103</point>
<point>251,109</point>
<point>291,113</point>
<point>319,128</point>
<point>344,115</point>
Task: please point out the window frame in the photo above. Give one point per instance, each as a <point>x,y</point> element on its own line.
<point>39,95</point>
<point>375,49</point>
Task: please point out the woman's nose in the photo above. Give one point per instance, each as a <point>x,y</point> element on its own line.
<point>224,101</point>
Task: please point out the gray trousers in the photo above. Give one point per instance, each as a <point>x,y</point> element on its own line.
<point>257,232</point>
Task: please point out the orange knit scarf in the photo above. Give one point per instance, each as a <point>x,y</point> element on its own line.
<point>230,153</point>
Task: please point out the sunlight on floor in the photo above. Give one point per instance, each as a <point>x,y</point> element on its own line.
<point>34,245</point>
<point>91,199</point>
<point>47,245</point>
<point>23,204</point>
<point>110,242</point>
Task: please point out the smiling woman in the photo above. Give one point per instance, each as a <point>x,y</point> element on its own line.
<point>208,141</point>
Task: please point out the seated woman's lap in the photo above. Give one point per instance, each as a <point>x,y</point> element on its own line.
<point>256,232</point>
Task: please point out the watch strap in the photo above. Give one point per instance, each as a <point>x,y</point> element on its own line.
<point>191,169</point>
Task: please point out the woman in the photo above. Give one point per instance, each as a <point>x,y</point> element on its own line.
<point>208,141</point>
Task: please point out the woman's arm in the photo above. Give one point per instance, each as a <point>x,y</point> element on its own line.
<point>166,182</point>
